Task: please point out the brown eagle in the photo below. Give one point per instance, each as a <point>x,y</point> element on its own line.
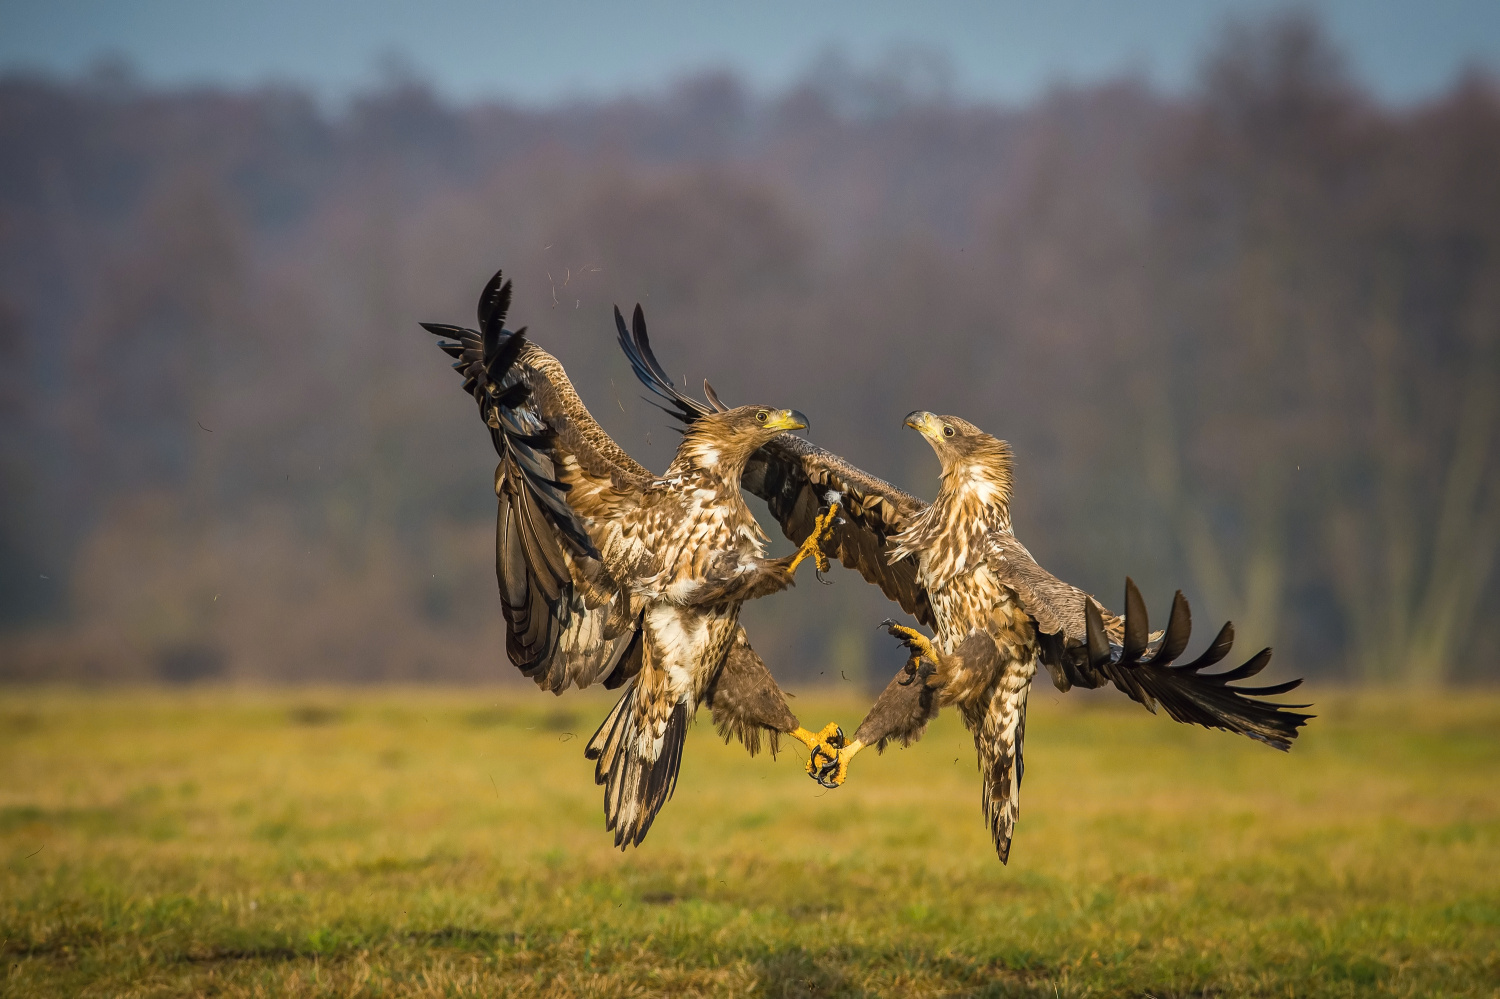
<point>610,574</point>
<point>957,567</point>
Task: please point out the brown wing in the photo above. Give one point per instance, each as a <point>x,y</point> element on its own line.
<point>1083,645</point>
<point>797,479</point>
<point>565,492</point>
<point>1056,607</point>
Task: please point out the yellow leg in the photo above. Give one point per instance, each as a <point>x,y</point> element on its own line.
<point>845,754</point>
<point>813,546</point>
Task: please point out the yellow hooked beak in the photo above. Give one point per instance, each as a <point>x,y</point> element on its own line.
<point>785,419</point>
<point>925,424</point>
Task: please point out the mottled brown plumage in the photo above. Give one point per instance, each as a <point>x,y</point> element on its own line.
<point>609,574</point>
<point>957,567</point>
<point>746,701</point>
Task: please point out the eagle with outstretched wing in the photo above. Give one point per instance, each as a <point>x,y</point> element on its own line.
<point>610,574</point>
<point>957,567</point>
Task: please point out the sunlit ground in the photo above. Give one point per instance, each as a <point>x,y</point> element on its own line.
<point>417,842</point>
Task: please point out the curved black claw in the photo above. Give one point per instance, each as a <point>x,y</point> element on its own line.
<point>824,767</point>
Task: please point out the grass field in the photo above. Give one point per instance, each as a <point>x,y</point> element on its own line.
<point>404,842</point>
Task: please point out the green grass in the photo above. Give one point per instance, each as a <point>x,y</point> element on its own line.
<point>451,843</point>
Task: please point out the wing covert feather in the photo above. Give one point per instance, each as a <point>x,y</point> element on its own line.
<point>797,479</point>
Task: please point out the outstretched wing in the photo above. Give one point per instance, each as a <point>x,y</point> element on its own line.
<point>566,492</point>
<point>1147,671</point>
<point>798,479</point>
<point>1083,645</point>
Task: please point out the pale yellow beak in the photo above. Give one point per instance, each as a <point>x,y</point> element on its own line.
<point>786,419</point>
<point>925,423</point>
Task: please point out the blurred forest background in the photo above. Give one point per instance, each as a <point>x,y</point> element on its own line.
<point>1245,341</point>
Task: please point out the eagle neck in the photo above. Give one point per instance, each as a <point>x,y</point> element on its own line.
<point>707,455</point>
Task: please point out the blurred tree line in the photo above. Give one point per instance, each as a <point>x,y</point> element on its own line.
<point>1246,342</point>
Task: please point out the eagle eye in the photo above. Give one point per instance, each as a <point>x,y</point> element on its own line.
<point>762,416</point>
<point>947,430</point>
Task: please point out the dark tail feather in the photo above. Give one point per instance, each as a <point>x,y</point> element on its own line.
<point>636,784</point>
<point>1187,693</point>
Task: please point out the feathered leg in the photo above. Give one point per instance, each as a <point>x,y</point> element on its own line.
<point>746,702</point>
<point>998,722</point>
<point>901,712</point>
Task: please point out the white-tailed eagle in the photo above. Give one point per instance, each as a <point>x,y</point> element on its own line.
<point>610,574</point>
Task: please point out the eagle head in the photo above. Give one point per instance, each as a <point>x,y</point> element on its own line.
<point>724,441</point>
<point>967,453</point>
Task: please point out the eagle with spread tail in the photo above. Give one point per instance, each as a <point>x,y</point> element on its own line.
<point>957,567</point>
<point>610,574</point>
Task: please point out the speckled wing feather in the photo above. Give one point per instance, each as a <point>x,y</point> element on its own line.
<point>1082,644</point>
<point>1056,607</point>
<point>567,494</point>
<point>796,479</point>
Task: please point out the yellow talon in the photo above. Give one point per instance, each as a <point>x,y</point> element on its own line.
<point>921,647</point>
<point>824,750</point>
<point>813,546</point>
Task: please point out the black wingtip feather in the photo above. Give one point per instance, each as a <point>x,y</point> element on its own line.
<point>636,343</point>
<point>1099,651</point>
<point>1216,651</point>
<point>494,303</point>
<point>1137,625</point>
<point>1256,663</point>
<point>1187,693</point>
<point>1179,630</point>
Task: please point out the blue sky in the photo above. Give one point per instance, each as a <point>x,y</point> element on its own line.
<point>536,53</point>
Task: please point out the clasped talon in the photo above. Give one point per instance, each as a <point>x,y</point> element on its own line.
<point>823,756</point>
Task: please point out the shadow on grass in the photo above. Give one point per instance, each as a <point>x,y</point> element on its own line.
<point>796,973</point>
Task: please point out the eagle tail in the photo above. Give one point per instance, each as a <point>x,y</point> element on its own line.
<point>999,736</point>
<point>1146,670</point>
<point>637,765</point>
